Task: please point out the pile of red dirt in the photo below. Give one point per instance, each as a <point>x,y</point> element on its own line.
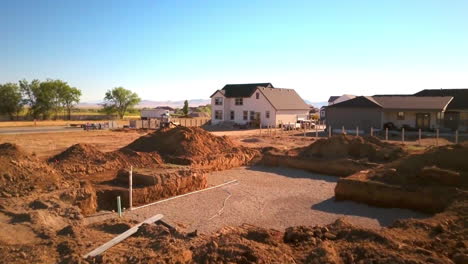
<point>343,146</point>
<point>193,146</point>
<point>427,182</point>
<point>22,173</point>
<point>84,159</point>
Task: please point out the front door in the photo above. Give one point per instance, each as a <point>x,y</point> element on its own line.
<point>423,120</point>
<point>451,120</point>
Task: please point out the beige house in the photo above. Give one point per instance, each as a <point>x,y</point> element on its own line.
<point>257,102</point>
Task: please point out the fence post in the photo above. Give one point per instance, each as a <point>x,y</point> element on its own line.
<point>456,136</point>
<point>260,130</point>
<point>304,130</point>
<point>372,131</point>
<point>316,131</point>
<point>386,134</point>
<point>403,134</point>
<point>437,137</point>
<point>342,130</point>
<point>357,131</point>
<point>419,136</point>
<point>130,188</point>
<point>330,132</point>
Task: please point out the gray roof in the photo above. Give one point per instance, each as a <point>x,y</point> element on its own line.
<point>413,102</point>
<point>333,98</point>
<point>284,99</point>
<point>460,96</point>
<point>398,102</point>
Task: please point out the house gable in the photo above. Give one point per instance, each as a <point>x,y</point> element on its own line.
<point>360,101</point>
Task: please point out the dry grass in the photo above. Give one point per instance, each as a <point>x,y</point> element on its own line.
<point>48,144</point>
<point>53,123</point>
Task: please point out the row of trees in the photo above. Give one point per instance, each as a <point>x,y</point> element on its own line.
<point>41,98</point>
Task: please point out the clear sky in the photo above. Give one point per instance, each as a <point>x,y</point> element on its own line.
<point>174,49</point>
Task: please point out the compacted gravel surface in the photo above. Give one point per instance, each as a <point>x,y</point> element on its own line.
<point>268,197</point>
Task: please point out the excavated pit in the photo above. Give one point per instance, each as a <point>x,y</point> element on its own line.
<point>150,185</point>
<point>427,182</point>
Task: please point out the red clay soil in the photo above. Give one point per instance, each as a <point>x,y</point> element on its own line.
<point>343,146</point>
<point>339,155</point>
<point>22,173</point>
<point>442,238</point>
<point>427,182</point>
<point>150,185</point>
<point>84,159</point>
<point>193,146</point>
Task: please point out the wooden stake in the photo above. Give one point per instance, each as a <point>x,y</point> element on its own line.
<point>456,136</point>
<point>357,131</point>
<point>316,131</point>
<point>386,133</point>
<point>403,134</point>
<point>329,131</point>
<point>342,130</point>
<point>437,137</point>
<point>372,131</point>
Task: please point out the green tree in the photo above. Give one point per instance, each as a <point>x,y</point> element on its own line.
<point>69,97</point>
<point>185,109</point>
<point>30,91</point>
<point>11,102</point>
<point>119,100</point>
<point>50,96</point>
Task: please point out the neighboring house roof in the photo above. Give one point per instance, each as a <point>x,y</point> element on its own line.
<point>414,102</point>
<point>284,99</point>
<point>398,102</point>
<point>460,96</point>
<point>243,90</point>
<point>165,108</point>
<point>332,98</point>
<point>360,101</point>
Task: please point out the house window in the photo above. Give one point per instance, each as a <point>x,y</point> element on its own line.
<point>239,101</point>
<point>267,114</point>
<point>252,115</point>
<point>218,101</point>
<point>218,114</point>
<point>401,116</point>
<point>246,115</point>
<point>257,95</point>
<point>232,115</point>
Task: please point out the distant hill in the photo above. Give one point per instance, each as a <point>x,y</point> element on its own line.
<point>316,104</point>
<point>150,103</point>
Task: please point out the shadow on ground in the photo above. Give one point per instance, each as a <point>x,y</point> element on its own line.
<point>385,216</point>
<point>294,173</point>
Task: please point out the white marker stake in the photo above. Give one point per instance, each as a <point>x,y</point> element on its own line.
<point>130,188</point>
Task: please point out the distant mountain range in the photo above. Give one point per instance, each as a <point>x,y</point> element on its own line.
<point>150,104</point>
<point>173,104</point>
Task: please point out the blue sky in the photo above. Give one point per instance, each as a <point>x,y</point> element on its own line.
<point>173,50</point>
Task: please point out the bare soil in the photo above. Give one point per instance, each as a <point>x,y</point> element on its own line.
<point>43,218</point>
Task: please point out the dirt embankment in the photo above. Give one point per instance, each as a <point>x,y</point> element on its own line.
<point>23,174</point>
<point>84,159</point>
<point>150,185</point>
<point>427,182</point>
<point>194,146</point>
<point>339,155</point>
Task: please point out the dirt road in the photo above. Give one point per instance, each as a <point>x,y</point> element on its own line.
<point>268,197</point>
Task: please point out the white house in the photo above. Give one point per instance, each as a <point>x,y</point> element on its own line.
<point>245,103</point>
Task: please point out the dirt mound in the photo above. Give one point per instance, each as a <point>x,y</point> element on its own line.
<point>343,146</point>
<point>192,146</point>
<point>84,159</point>
<point>439,166</point>
<point>22,174</point>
